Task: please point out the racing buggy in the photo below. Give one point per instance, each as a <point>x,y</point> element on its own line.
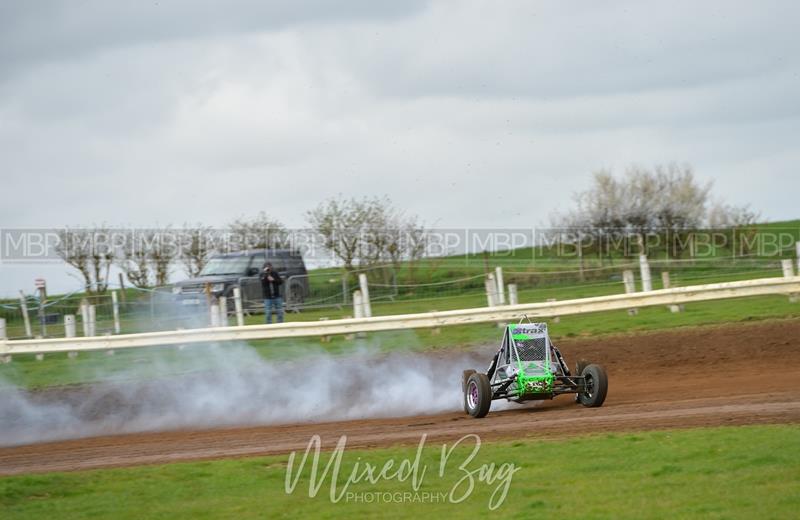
<point>529,367</point>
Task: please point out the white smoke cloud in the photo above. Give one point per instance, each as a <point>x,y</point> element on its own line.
<point>230,384</point>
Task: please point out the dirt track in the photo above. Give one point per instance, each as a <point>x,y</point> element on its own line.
<point>737,374</point>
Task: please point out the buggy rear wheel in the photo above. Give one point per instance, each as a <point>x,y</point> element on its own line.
<point>478,395</point>
<point>596,386</point>
<point>464,378</point>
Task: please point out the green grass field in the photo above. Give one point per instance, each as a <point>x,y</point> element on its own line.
<point>738,472</point>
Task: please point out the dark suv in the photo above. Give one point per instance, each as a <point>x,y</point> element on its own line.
<point>225,271</point>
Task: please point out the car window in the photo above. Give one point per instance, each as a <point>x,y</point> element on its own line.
<point>225,265</point>
<point>293,264</point>
<point>258,261</point>
<point>277,263</point>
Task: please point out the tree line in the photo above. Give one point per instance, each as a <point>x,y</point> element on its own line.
<point>661,207</point>
<point>357,232</point>
<point>616,214</point>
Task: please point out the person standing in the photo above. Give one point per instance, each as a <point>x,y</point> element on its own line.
<point>271,287</point>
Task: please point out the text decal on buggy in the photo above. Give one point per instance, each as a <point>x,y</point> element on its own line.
<point>530,329</point>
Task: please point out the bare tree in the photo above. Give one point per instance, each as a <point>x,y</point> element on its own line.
<point>197,245</point>
<point>681,205</point>
<point>91,252</point>
<point>134,261</point>
<point>416,244</point>
<point>367,231</point>
<point>737,223</point>
<point>403,238</point>
<point>164,249</point>
<point>666,201</point>
<point>259,232</point>
<point>641,196</point>
<point>344,225</point>
<point>148,255</point>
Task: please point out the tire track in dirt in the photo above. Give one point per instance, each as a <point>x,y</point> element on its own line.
<point>723,375</point>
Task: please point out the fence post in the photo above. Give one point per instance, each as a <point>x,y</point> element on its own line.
<point>628,280</point>
<point>556,319</point>
<point>42,320</point>
<point>788,268</point>
<point>324,339</point>
<point>644,267</point>
<point>345,288</point>
<point>115,305</point>
<point>69,325</point>
<point>362,282</point>
<point>92,320</point>
<point>85,317</point>
<point>666,283</point>
<point>122,285</point>
<point>797,247</point>
<point>630,287</point>
<point>3,335</point>
<point>358,308</point>
<point>213,314</point>
<point>788,271</point>
<point>23,305</point>
<point>237,302</point>
<point>513,298</point>
<point>491,290</point>
<point>501,295</point>
<point>223,311</point>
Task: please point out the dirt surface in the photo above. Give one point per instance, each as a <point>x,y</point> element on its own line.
<point>724,375</point>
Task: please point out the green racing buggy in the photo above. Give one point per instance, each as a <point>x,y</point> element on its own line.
<point>529,367</point>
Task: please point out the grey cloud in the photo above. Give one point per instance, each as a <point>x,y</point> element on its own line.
<point>57,30</point>
<point>467,114</point>
<point>550,50</point>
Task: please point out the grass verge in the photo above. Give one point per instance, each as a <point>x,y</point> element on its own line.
<point>727,472</point>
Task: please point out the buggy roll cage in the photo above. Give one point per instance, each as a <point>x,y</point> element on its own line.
<point>509,354</point>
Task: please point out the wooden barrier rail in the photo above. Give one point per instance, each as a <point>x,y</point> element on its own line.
<point>765,286</point>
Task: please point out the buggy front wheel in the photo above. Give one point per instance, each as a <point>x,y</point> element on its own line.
<point>595,386</point>
<point>478,395</point>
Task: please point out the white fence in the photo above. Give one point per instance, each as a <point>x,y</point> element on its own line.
<point>716,291</point>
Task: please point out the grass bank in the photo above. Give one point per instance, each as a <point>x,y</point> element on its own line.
<point>729,472</point>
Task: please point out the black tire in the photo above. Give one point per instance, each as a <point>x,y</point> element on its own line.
<point>596,381</point>
<point>478,395</point>
<point>464,377</point>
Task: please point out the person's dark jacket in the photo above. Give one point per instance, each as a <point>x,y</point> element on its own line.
<point>271,289</point>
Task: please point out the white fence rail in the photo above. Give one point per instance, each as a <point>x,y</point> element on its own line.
<point>679,295</point>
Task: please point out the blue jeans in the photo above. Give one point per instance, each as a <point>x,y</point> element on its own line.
<point>273,303</point>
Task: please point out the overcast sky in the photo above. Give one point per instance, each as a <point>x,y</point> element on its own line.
<point>478,114</point>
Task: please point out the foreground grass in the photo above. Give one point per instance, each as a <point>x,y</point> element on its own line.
<point>57,369</point>
<point>732,472</point>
